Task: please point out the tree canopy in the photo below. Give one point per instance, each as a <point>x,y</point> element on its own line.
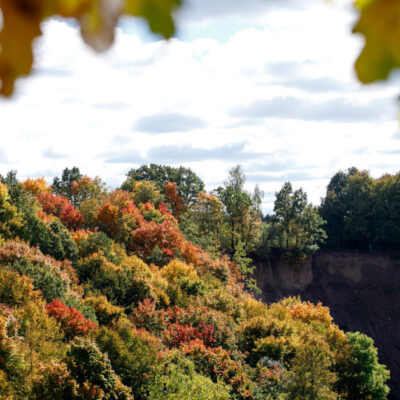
<point>361,211</point>
<point>189,185</point>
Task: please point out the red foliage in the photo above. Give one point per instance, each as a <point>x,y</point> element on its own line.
<point>61,207</point>
<point>72,321</point>
<point>71,218</point>
<point>51,203</point>
<point>146,316</point>
<point>173,198</point>
<point>163,209</point>
<point>177,334</point>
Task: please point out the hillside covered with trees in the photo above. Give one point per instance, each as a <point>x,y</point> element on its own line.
<point>144,292</point>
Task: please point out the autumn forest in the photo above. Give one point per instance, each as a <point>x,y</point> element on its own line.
<point>146,291</point>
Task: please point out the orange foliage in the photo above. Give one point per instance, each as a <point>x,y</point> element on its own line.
<point>173,198</point>
<point>108,218</point>
<point>46,218</point>
<point>165,235</point>
<point>119,215</point>
<point>308,312</point>
<point>80,234</point>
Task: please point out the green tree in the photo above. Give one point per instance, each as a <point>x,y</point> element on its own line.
<point>63,186</point>
<point>349,209</point>
<point>257,198</point>
<point>242,219</point>
<point>202,224</point>
<point>364,378</point>
<point>295,225</point>
<point>245,266</point>
<point>386,220</point>
<point>93,372</point>
<point>180,381</point>
<point>131,357</point>
<point>288,207</point>
<point>10,218</point>
<point>311,375</point>
<point>189,185</point>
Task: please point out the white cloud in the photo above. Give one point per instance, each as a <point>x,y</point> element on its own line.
<point>79,108</point>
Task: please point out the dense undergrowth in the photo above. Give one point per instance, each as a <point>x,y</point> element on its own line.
<point>103,297</point>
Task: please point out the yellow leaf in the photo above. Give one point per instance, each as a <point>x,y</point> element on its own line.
<point>361,4</point>
<point>21,24</point>
<point>380,24</point>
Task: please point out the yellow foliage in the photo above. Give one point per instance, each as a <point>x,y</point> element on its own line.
<point>16,289</point>
<point>6,390</point>
<point>222,300</point>
<point>254,308</point>
<point>10,218</point>
<point>79,235</point>
<point>177,269</point>
<point>20,27</point>
<point>140,268</point>
<point>35,186</point>
<point>41,332</point>
<point>105,311</point>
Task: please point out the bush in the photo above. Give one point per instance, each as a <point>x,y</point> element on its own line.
<point>44,279</point>
<point>84,374</point>
<point>72,321</point>
<point>364,378</point>
<point>131,355</point>
<point>180,381</point>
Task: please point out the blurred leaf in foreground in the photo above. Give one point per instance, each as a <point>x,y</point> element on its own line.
<point>97,18</point>
<point>380,24</point>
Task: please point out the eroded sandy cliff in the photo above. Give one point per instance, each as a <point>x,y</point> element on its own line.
<point>362,291</point>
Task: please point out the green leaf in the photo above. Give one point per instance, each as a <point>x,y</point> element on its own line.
<point>379,23</point>
<point>158,14</point>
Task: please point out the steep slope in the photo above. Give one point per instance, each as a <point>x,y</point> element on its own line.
<point>362,291</point>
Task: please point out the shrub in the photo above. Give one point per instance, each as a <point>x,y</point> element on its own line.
<point>181,381</point>
<point>47,281</point>
<point>132,356</point>
<point>93,372</point>
<point>72,321</point>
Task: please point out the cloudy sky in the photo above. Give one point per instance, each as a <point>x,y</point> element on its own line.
<point>268,84</point>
